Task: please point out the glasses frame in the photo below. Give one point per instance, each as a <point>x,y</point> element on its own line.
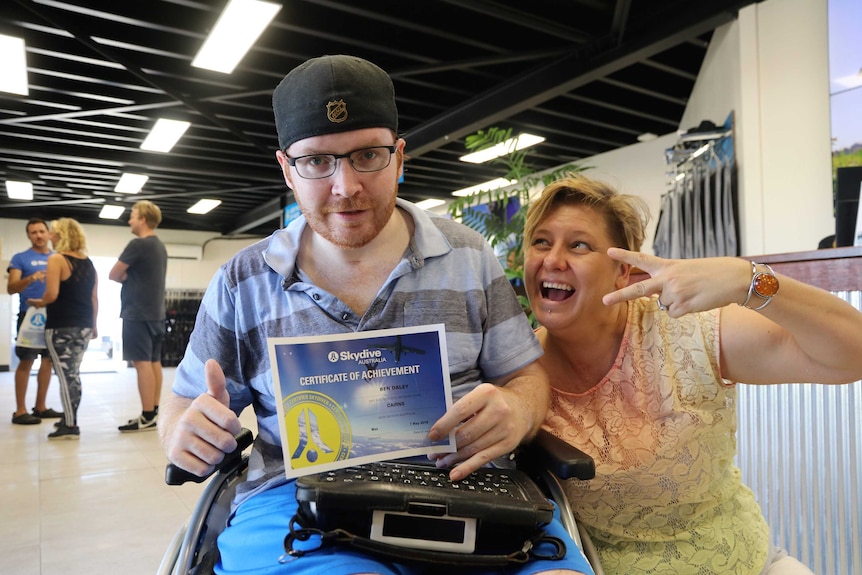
<point>391,149</point>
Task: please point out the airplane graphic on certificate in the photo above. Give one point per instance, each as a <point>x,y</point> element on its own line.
<point>360,397</point>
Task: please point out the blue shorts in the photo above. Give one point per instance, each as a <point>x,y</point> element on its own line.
<point>254,540</point>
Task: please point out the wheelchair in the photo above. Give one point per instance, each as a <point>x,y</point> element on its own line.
<point>192,550</point>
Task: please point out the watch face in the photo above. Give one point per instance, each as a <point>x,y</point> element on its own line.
<point>765,285</point>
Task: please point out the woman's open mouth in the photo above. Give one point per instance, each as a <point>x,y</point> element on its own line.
<point>556,291</point>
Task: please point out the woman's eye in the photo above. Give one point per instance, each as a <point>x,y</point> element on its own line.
<point>581,247</point>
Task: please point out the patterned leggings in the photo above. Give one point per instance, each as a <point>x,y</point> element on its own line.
<point>67,345</point>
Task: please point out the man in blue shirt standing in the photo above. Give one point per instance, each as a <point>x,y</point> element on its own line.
<point>27,279</point>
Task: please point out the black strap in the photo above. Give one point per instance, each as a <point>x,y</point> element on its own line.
<point>528,551</point>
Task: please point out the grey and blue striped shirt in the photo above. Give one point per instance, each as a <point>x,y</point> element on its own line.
<point>448,274</point>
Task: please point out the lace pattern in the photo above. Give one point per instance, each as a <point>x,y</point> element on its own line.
<point>661,427</point>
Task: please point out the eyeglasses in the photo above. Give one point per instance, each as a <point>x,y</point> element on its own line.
<point>317,166</point>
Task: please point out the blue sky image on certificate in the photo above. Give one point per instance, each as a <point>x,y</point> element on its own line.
<point>361,397</point>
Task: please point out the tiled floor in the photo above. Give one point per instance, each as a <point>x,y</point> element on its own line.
<point>94,506</point>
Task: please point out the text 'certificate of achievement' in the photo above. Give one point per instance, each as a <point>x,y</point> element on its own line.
<point>356,398</point>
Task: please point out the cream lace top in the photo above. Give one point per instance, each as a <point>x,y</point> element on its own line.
<point>661,427</point>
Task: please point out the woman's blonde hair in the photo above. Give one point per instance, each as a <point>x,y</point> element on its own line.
<point>71,237</point>
<point>626,216</point>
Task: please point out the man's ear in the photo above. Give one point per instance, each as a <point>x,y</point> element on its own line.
<point>285,167</point>
<point>399,156</point>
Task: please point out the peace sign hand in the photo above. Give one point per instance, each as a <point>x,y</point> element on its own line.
<point>684,286</point>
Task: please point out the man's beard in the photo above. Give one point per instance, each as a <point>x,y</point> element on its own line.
<point>348,236</point>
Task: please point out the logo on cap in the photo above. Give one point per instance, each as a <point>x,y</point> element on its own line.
<point>336,111</point>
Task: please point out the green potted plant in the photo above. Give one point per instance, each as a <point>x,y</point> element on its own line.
<point>502,224</point>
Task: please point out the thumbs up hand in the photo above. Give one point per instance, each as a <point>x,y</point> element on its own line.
<point>196,434</point>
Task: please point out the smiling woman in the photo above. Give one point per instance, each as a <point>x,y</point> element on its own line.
<point>638,381</point>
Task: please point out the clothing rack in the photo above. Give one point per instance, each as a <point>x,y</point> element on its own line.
<point>699,211</point>
<point>181,309</point>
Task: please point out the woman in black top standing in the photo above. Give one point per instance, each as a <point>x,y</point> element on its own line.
<point>71,305</point>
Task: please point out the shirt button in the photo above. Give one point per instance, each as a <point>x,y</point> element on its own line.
<point>316,296</point>
<point>345,316</point>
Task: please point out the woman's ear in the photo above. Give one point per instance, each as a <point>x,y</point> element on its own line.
<point>623,275</point>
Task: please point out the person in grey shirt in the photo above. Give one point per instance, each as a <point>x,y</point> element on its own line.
<point>141,269</point>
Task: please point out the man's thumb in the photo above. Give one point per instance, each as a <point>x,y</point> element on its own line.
<point>216,385</point>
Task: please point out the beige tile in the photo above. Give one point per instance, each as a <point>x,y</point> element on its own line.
<point>20,560</point>
<point>97,505</point>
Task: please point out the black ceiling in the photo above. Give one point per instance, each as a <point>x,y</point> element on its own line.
<point>589,75</point>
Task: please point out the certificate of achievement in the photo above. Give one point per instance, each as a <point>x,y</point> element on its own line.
<point>356,398</point>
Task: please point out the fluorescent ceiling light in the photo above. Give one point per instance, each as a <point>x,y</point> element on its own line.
<point>503,148</point>
<point>430,203</point>
<point>164,135</point>
<point>112,212</point>
<point>131,183</point>
<point>204,206</point>
<point>19,190</point>
<point>240,24</point>
<point>647,137</point>
<point>487,186</point>
<point>13,65</point>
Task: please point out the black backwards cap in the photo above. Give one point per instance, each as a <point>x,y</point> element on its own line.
<point>333,94</point>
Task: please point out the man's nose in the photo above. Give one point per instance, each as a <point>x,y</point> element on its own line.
<point>345,180</point>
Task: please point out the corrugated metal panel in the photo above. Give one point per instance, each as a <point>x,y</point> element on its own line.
<point>800,451</point>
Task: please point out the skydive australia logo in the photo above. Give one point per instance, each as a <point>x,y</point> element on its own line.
<point>362,357</point>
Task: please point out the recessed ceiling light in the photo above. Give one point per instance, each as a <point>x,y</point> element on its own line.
<point>204,206</point>
<point>240,24</point>
<point>131,183</point>
<point>164,135</point>
<point>485,187</point>
<point>503,148</point>
<point>13,65</point>
<point>19,190</point>
<point>430,203</point>
<point>111,212</point>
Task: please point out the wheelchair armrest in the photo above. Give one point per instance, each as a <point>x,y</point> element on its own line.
<point>546,451</point>
<point>177,476</point>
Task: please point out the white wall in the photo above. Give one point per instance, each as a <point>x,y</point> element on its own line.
<point>785,68</point>
<point>770,67</point>
<point>109,241</point>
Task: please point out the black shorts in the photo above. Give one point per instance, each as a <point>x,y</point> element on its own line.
<point>142,340</point>
<point>28,353</point>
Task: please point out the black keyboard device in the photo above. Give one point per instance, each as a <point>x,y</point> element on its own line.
<point>418,506</point>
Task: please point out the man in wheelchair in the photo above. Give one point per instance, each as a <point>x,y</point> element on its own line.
<point>358,259</point>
